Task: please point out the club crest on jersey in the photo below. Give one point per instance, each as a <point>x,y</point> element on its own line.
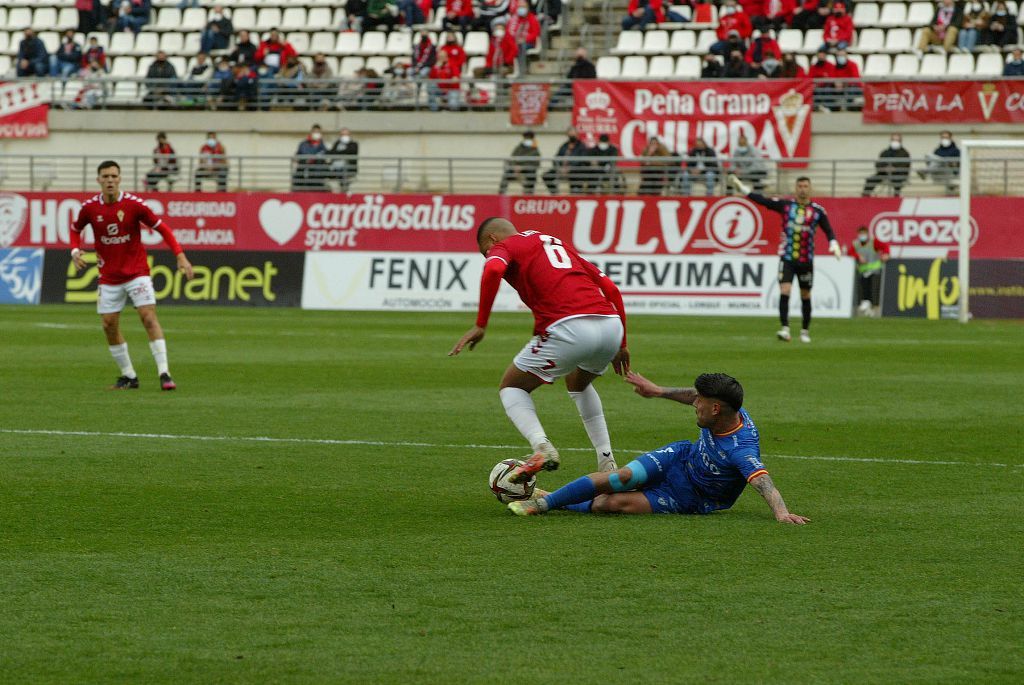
<point>120,215</point>
<point>99,218</point>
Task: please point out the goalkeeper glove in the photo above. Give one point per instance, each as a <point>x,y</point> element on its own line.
<point>739,185</point>
<point>833,247</point>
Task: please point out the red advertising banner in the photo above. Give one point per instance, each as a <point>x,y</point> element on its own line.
<point>529,104</point>
<point>954,102</point>
<point>774,115</point>
<point>24,111</point>
<point>915,227</point>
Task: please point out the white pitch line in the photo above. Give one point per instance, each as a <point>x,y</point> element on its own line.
<point>400,443</point>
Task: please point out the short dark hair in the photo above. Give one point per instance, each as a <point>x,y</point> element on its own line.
<point>528,135</point>
<point>603,138</point>
<point>722,387</point>
<point>803,178</point>
<point>106,165</point>
<point>483,227</point>
<point>862,228</point>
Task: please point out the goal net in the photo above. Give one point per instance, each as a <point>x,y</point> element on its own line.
<point>987,167</point>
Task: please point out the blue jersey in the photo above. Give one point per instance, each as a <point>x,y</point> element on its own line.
<point>799,222</point>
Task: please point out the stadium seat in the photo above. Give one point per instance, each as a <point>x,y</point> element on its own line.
<point>683,42</point>
<point>19,18</point>
<point>299,41</point>
<point>51,39</point>
<point>813,40</point>
<point>192,42</point>
<point>349,65</point>
<point>920,14</point>
<point>629,43</point>
<point>989,64</point>
<point>3,18</point>
<point>44,18</point>
<point>869,41</point>
<point>146,43</point>
<point>893,14</point>
<point>478,61</point>
<point>933,65</point>
<point>399,44</point>
<point>293,19</point>
<point>372,44</point>
<point>378,63</point>
<point>142,66</point>
<point>688,67</point>
<point>167,19</point>
<point>348,44</point>
<point>268,18</point>
<point>193,19</point>
<point>877,65</point>
<point>172,42</point>
<point>790,40</point>
<point>476,43</point>
<point>634,66</point>
<point>123,43</point>
<point>67,19</point>
<point>5,65</point>
<point>960,65</point>
<point>608,67</point>
<point>322,41</point>
<point>655,43</point>
<point>5,42</point>
<point>898,40</point>
<point>338,18</point>
<point>244,18</point>
<point>661,66</point>
<point>865,14</point>
<point>705,40</point>
<point>319,19</point>
<point>906,66</point>
<point>122,66</point>
<point>180,65</point>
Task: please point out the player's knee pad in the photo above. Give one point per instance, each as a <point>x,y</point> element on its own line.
<point>637,478</point>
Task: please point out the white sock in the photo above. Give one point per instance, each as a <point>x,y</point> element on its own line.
<point>588,403</point>
<point>124,362</point>
<point>159,350</point>
<point>523,414</point>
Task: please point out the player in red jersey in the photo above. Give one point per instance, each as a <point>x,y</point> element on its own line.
<point>117,220</point>
<point>579,328</point>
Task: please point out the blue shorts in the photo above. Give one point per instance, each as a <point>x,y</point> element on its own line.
<point>667,489</point>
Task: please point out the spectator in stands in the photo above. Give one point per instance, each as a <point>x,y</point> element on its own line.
<point>811,14</point>
<point>188,3</point>
<point>701,162</point>
<point>32,58</point>
<point>761,48</point>
<point>525,30</point>
<point>88,15</point>
<point>443,84</point>
<point>711,67</point>
<point>733,22</point>
<point>490,13</point>
<point>477,98</point>
<point>749,165</point>
<point>456,55</point>
<point>737,67</point>
<point>821,67</point>
<point>371,85</point>
<point>848,91</point>
<point>94,52</point>
<point>458,14</point>
<point>221,73</point>
<point>380,13</point>
<point>1015,67</point>
<point>522,165</point>
<point>273,53</point>
<point>355,12</point>
<point>94,89</point>
<point>943,165</point>
<point>640,13</point>
<point>839,29</point>
<point>975,22</point>
<point>501,55</point>
<point>242,89</point>
<point>245,50</point>
<point>1002,27</point>
<point>548,12</point>
<point>424,55</point>
<point>703,12</point>
<point>778,14</point>
<point>581,69</point>
<point>791,68</point>
<point>655,164</point>
<point>165,164</point>
<point>892,167</point>
<point>213,163</point>
<point>131,15</point>
<point>570,165</point>
<point>288,81</point>
<point>161,71</point>
<point>68,58</point>
<point>318,83</point>
<point>410,13</point>
<point>309,171</point>
<point>217,35</point>
<point>944,27</point>
<point>770,68</point>
<point>344,156</point>
<point>605,175</point>
<point>201,68</point>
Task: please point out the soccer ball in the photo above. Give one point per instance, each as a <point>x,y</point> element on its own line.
<point>505,490</point>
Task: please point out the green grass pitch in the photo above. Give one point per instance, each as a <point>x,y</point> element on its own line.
<point>157,559</point>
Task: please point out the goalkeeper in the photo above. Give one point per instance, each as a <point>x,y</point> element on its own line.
<point>800,219</point>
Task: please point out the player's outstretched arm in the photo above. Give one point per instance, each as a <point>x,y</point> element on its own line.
<point>494,269</point>
<point>185,266</point>
<point>470,338</point>
<point>764,485</point>
<point>647,388</point>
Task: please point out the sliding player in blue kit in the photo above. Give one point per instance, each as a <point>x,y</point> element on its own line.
<point>682,477</point>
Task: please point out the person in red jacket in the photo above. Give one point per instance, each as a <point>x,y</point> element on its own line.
<point>848,92</point>
<point>753,9</point>
<point>524,29</point>
<point>444,83</point>
<point>762,48</point>
<point>458,13</point>
<point>501,55</point>
<point>273,53</point>
<point>778,14</point>
<point>821,67</point>
<point>732,18</point>
<point>456,55</point>
<point>838,29</point>
<point>640,13</point>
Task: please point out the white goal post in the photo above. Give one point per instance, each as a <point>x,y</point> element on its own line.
<point>967,184</point>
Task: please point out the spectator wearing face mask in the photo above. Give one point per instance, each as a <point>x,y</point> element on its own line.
<point>570,164</point>
<point>490,13</point>
<point>975,21</point>
<point>443,84</point>
<point>456,55</point>
<point>424,55</point>
<point>217,35</point>
<point>640,13</point>
<point>309,167</point>
<point>245,49</point>
<point>68,58</point>
<point>838,29</point>
<point>761,48</point>
<point>458,14</point>
<point>711,67</point>
<point>318,82</point>
<point>94,52</point>
<point>344,156</point>
<point>522,165</point>
<point>944,27</point>
<point>892,167</point>
<point>1002,27</point>
<point>525,30</point>
<point>1015,67</point>
<point>732,43</point>
<point>221,73</point>
<point>790,68</point>
<point>871,256</point>
<point>822,68</point>
<point>806,15</point>
<point>778,14</point>
<point>501,55</point>
<point>605,175</point>
<point>749,165</point>
<point>165,164</point>
<point>943,165</point>
<point>213,163</point>
<point>274,53</point>
<point>848,91</point>
<point>737,67</point>
<point>734,28</point>
<point>702,163</point>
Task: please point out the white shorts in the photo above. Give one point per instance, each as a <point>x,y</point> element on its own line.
<point>585,342</point>
<point>112,298</point>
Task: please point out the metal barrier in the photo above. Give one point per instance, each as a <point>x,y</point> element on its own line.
<point>575,175</point>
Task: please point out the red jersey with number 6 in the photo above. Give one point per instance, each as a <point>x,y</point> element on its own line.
<point>551,279</point>
<point>117,230</point>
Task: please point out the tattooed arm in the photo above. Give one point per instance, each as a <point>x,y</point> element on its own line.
<point>646,388</point>
<point>764,485</point>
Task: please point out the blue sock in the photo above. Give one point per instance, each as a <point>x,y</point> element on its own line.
<point>582,507</point>
<point>579,490</point>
